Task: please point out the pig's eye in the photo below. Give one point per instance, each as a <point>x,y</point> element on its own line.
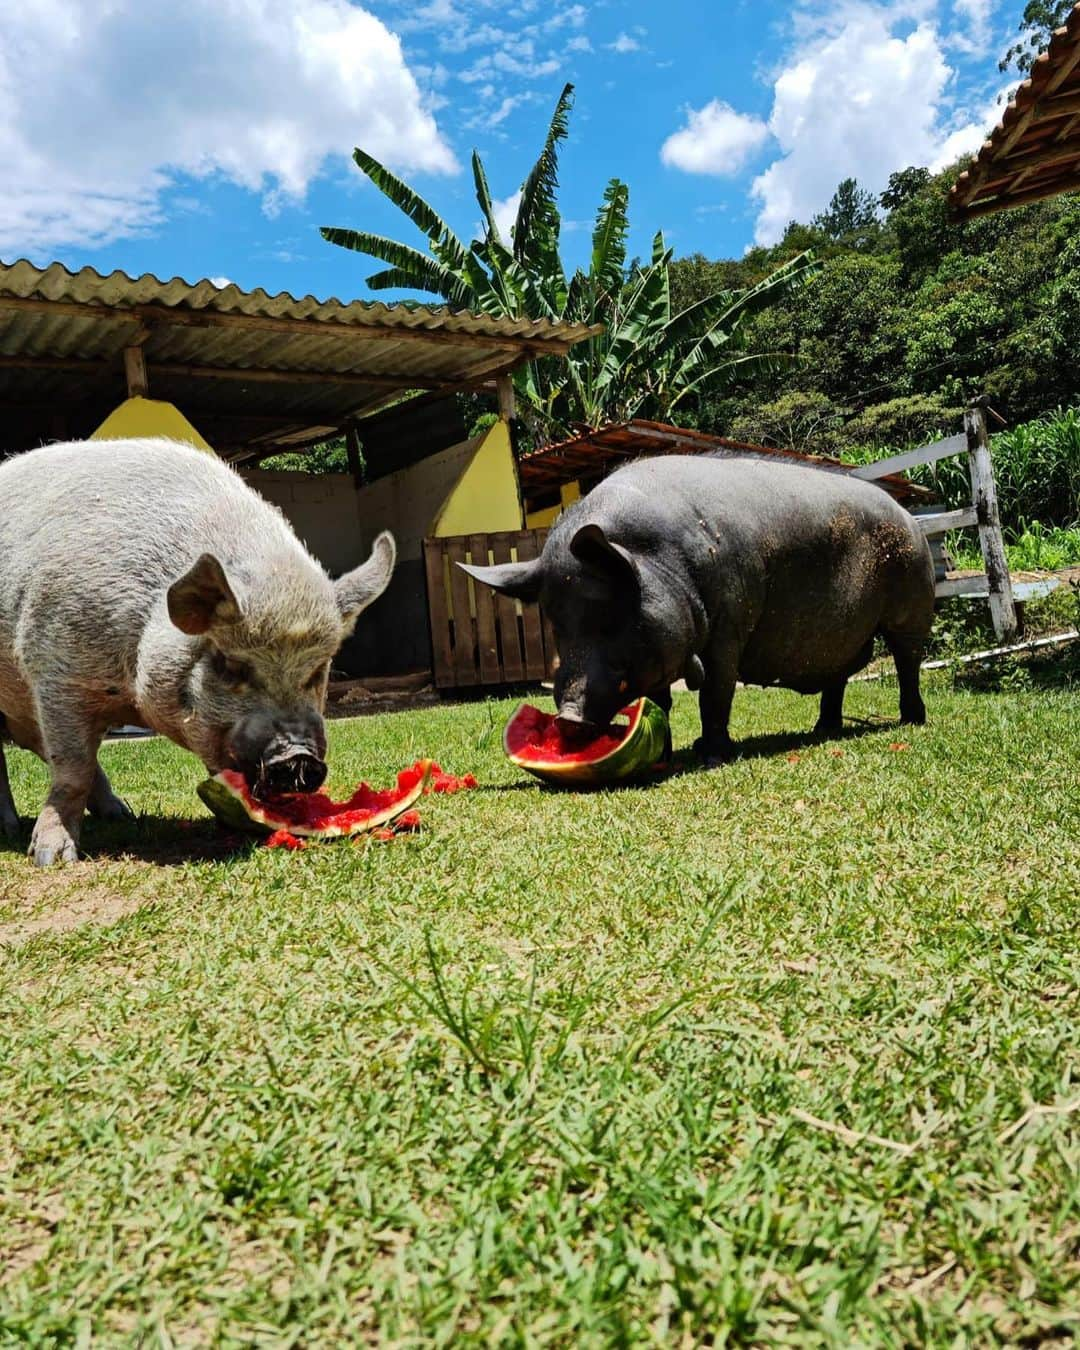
<point>315,678</point>
<point>233,672</point>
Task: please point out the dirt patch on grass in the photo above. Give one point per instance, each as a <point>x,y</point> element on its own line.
<point>53,905</point>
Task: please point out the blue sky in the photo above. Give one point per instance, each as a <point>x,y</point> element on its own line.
<point>212,138</point>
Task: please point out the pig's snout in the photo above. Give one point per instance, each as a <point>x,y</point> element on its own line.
<point>295,769</point>
<point>574,713</point>
<point>279,755</point>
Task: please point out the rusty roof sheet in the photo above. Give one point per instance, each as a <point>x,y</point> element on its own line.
<point>252,371</point>
<point>1034,151</point>
<point>593,454</point>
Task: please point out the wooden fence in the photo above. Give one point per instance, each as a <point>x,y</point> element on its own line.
<point>994,583</point>
<point>477,636</point>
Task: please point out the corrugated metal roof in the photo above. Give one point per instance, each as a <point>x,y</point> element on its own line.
<point>593,454</point>
<point>118,290</point>
<point>251,370</point>
<point>1034,151</point>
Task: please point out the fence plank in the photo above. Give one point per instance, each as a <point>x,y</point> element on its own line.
<point>939,522</point>
<point>465,667</point>
<point>513,666</point>
<point>975,585</point>
<point>438,614</point>
<point>984,496</point>
<point>927,454</point>
<point>486,631</point>
<point>535,665</point>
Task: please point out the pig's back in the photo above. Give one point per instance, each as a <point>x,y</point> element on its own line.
<point>92,533</point>
<point>752,500</point>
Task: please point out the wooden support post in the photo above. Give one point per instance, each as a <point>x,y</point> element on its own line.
<point>984,497</point>
<point>138,385</point>
<point>352,454</point>
<point>504,386</point>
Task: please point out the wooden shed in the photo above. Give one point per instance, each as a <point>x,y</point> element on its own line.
<point>1034,151</point>
<point>249,375</point>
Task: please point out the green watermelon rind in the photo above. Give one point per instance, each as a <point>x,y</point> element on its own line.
<point>258,818</point>
<point>636,754</point>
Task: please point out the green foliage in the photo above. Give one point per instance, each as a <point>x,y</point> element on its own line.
<point>904,322</point>
<point>326,457</point>
<point>1034,548</point>
<point>654,357</point>
<point>1040,19</point>
<point>850,210</point>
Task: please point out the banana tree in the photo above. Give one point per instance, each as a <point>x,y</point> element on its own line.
<point>647,362</point>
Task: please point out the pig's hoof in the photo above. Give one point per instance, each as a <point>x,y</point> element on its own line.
<point>111,808</point>
<point>714,756</point>
<point>53,845</point>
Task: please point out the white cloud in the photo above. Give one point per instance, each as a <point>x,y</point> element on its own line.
<point>715,140</point>
<point>977,38</point>
<point>573,17</point>
<point>857,101</point>
<point>139,92</point>
<point>579,44</point>
<point>505,213</point>
<point>624,43</point>
<point>220,282</point>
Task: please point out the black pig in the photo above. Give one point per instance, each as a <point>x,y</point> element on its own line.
<point>716,570</point>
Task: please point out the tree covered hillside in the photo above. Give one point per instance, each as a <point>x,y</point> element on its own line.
<point>907,318</point>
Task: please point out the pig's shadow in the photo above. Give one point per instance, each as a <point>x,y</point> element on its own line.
<point>685,761</point>
<point>164,840</point>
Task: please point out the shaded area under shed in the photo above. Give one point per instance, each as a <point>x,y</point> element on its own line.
<point>255,373</point>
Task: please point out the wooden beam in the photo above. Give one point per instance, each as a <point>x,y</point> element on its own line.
<point>1006,201</point>
<point>927,454</point>
<point>244,375</point>
<point>67,363</point>
<point>352,454</point>
<point>138,386</point>
<point>266,375</point>
<point>163,316</point>
<point>940,522</point>
<point>984,497</point>
<point>504,386</point>
<point>1028,162</point>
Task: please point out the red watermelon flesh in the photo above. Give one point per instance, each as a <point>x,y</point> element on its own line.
<point>543,737</point>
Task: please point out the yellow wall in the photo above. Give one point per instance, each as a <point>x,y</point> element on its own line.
<point>486,497</point>
<point>149,417</point>
<point>538,520</point>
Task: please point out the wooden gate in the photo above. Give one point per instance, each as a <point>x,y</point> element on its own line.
<point>477,636</point>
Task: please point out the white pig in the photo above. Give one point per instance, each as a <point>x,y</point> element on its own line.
<point>142,580</point>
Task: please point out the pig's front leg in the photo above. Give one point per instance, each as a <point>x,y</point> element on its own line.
<point>71,741</point>
<point>103,801</point>
<point>9,817</point>
<point>717,692</point>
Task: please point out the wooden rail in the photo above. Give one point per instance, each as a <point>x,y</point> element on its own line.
<point>478,637</point>
<point>995,584</point>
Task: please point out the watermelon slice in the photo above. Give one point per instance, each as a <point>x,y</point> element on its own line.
<point>312,815</point>
<point>554,750</point>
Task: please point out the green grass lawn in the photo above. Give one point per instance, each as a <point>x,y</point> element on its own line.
<point>783,1053</point>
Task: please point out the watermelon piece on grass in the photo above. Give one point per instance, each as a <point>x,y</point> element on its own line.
<point>313,815</point>
<point>544,745</point>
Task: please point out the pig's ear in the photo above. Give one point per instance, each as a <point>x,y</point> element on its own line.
<point>358,588</point>
<point>520,581</point>
<point>202,598</point>
<point>592,547</point>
